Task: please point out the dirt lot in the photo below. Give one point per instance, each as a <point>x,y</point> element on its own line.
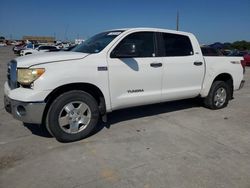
<point>177,144</point>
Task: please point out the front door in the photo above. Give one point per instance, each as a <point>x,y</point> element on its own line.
<point>135,73</point>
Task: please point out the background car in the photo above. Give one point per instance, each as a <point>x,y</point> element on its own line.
<point>16,49</point>
<point>3,44</point>
<point>247,59</point>
<point>39,49</point>
<point>69,48</point>
<point>237,53</point>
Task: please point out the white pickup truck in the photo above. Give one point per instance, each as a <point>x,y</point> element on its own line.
<point>69,91</point>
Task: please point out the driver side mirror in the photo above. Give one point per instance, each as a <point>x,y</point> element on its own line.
<point>126,50</point>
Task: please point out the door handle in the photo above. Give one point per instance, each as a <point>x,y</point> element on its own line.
<point>155,65</point>
<point>198,63</point>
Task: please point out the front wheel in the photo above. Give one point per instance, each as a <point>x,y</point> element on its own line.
<point>72,116</point>
<point>218,96</point>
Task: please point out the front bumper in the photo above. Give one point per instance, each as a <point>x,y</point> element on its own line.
<point>27,112</point>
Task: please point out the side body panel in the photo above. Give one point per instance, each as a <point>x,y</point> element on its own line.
<point>219,65</point>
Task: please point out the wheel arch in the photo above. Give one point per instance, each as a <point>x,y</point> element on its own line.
<point>223,77</point>
<point>209,80</point>
<point>93,90</point>
<point>226,77</point>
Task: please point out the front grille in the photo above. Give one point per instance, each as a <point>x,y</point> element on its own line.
<point>12,74</point>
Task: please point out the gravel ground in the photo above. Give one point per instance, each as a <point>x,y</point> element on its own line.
<point>176,144</point>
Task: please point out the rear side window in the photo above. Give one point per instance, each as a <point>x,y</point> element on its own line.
<point>207,51</point>
<point>177,45</point>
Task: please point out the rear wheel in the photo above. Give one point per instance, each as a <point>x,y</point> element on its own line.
<point>72,116</point>
<point>218,96</point>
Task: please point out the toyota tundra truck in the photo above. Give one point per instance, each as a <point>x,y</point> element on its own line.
<point>70,91</point>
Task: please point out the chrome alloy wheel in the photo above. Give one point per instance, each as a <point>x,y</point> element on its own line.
<point>220,97</point>
<point>74,117</point>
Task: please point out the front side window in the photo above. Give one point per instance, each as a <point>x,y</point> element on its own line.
<point>141,43</point>
<point>177,45</point>
<point>97,43</point>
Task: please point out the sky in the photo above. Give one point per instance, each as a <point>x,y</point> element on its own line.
<point>210,20</point>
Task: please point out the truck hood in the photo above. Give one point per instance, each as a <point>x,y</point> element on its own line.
<point>48,57</point>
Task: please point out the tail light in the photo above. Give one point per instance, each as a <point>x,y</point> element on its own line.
<point>243,64</point>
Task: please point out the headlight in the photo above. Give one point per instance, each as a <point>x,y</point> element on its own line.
<point>27,76</point>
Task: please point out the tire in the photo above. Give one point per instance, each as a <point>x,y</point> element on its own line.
<point>218,96</point>
<point>72,116</point>
<point>28,53</point>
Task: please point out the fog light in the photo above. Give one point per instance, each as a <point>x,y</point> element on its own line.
<point>20,110</point>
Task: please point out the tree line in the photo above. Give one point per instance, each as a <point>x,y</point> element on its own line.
<point>238,45</point>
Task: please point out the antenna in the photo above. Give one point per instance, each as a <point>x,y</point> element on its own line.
<point>177,21</point>
<point>66,32</point>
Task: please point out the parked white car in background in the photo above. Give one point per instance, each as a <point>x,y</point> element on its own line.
<point>39,49</point>
<point>3,44</point>
<point>69,91</point>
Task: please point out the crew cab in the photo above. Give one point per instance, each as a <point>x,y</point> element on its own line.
<point>69,91</point>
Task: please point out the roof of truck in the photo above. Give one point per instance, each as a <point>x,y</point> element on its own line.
<point>151,29</point>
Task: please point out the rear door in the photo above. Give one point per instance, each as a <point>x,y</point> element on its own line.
<point>135,80</point>
<point>183,67</point>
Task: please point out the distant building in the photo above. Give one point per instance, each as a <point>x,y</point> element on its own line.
<point>39,39</point>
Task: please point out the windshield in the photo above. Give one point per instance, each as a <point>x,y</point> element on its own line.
<point>97,43</point>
